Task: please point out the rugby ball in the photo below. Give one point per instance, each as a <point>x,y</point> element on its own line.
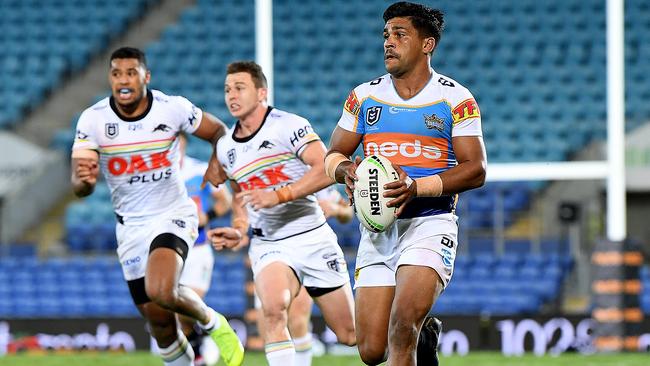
<point>369,202</point>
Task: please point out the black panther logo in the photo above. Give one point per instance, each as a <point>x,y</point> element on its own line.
<point>266,144</point>
<point>161,127</point>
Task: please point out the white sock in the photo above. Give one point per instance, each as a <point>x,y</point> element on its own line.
<point>209,351</point>
<point>179,353</point>
<point>280,353</point>
<point>214,322</point>
<point>303,350</point>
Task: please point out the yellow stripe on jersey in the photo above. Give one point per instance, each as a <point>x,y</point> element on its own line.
<point>137,146</point>
<point>261,163</point>
<point>408,105</point>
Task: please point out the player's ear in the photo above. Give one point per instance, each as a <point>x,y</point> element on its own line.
<point>428,44</point>
<point>262,94</point>
<point>147,77</point>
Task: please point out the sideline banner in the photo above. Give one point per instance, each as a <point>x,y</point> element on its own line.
<point>461,334</point>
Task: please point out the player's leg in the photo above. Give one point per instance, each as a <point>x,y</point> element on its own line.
<point>427,347</point>
<point>164,264</point>
<point>196,335</point>
<point>197,275</point>
<point>276,285</point>
<point>299,320</point>
<point>417,288</point>
<point>163,271</point>
<point>173,345</point>
<point>375,288</point>
<point>372,314</point>
<point>327,281</point>
<point>337,306</point>
<point>132,250</point>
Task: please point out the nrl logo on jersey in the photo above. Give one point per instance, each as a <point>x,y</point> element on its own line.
<point>231,157</point>
<point>434,121</point>
<point>372,115</point>
<point>111,130</point>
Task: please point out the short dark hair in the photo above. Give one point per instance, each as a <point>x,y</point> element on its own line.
<point>129,52</point>
<point>428,22</point>
<point>250,67</point>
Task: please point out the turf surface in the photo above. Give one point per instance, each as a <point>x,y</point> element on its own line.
<point>255,359</point>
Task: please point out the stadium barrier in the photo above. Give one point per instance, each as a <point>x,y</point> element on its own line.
<point>461,335</point>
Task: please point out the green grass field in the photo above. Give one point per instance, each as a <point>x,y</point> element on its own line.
<point>255,359</point>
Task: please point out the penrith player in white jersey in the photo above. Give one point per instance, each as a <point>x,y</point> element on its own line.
<point>133,137</point>
<point>275,163</point>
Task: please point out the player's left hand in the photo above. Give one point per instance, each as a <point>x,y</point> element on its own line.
<point>227,238</point>
<point>403,190</point>
<point>259,198</point>
<point>328,208</point>
<point>214,174</point>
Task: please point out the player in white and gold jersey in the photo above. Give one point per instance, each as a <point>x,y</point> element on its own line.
<point>133,137</point>
<point>275,161</point>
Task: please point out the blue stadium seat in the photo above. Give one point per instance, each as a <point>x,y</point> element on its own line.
<point>50,40</point>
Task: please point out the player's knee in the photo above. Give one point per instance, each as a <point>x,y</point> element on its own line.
<point>371,354</point>
<point>403,330</point>
<point>346,336</point>
<point>275,312</point>
<point>407,315</point>
<point>163,296</point>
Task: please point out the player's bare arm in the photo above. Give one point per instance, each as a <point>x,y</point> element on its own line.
<point>222,201</point>
<point>314,180</point>
<point>234,237</point>
<point>340,210</point>
<point>468,174</point>
<point>85,169</point>
<point>471,169</point>
<point>343,143</point>
<point>212,129</point>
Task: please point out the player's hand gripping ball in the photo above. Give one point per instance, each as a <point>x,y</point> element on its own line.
<point>369,201</point>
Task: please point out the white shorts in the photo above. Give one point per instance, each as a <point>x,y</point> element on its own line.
<point>197,272</point>
<point>315,257</point>
<point>134,238</point>
<point>422,241</point>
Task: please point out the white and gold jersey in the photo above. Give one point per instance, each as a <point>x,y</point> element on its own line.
<point>270,159</point>
<point>139,156</point>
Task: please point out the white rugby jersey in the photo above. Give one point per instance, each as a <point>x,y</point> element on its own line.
<point>139,156</point>
<point>415,134</point>
<point>269,159</point>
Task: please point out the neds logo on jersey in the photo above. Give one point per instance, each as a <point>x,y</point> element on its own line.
<point>409,149</point>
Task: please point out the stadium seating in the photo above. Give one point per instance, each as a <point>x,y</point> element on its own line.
<point>503,285</point>
<point>43,42</point>
<point>537,70</point>
<point>546,108</point>
<point>94,287</point>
